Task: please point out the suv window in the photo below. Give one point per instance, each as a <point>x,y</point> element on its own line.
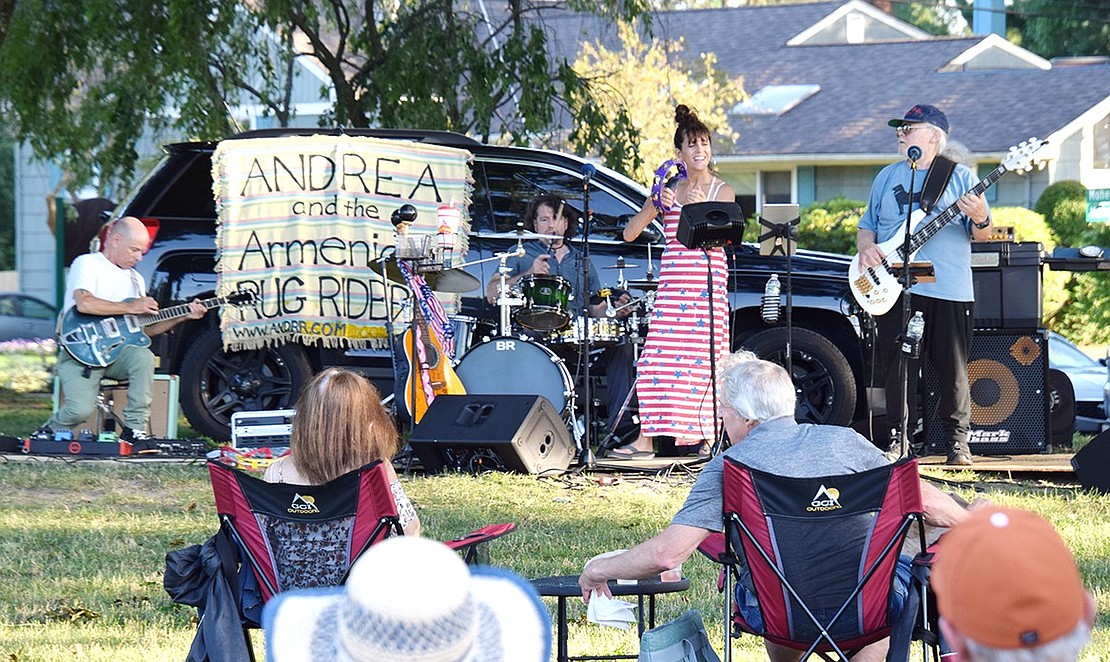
<point>190,194</point>
<point>501,197</point>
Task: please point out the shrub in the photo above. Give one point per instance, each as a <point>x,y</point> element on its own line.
<point>27,366</point>
<point>1064,207</point>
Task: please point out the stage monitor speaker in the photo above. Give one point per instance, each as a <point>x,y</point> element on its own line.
<point>475,432</point>
<point>1007,374</point>
<point>1092,463</point>
<point>709,224</point>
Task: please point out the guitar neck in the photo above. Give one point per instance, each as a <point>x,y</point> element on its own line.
<point>181,310</point>
<point>933,225</point>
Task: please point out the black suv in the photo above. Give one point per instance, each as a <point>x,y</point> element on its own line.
<point>176,196</point>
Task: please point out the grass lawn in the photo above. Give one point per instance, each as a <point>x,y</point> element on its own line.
<point>82,545</point>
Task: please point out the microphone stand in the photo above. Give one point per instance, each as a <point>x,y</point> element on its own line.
<point>903,359</point>
<point>585,455</point>
<point>788,233</point>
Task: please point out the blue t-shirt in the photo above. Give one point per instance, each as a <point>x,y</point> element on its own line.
<point>949,250</point>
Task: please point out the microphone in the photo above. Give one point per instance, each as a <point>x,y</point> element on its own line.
<point>672,183</point>
<point>913,154</point>
<point>588,171</point>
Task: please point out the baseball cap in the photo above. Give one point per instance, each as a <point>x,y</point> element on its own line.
<point>411,599</point>
<point>923,112</point>
<point>1004,578</point>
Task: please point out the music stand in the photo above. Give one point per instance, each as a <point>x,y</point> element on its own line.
<point>781,238</point>
<point>708,225</point>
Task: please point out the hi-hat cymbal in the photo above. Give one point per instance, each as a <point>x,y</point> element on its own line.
<point>526,235</point>
<point>622,265</point>
<point>643,284</point>
<point>452,281</point>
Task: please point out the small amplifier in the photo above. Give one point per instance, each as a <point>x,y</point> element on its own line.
<point>255,429</point>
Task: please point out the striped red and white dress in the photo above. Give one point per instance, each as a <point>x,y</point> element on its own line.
<point>672,381</point>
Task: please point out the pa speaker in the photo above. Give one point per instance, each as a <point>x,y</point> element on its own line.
<point>475,432</point>
<point>1092,463</point>
<point>1007,374</point>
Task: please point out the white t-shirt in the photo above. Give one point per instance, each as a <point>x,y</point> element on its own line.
<point>103,279</point>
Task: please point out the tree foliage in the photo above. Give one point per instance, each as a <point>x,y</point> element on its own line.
<point>1051,28</point>
<point>647,80</point>
<point>82,78</point>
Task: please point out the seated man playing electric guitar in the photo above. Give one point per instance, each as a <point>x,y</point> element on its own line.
<point>106,284</point>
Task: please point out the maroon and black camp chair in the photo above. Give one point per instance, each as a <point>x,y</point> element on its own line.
<point>292,536</point>
<point>820,555</point>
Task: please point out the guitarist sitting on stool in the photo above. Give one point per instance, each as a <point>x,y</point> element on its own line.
<point>946,303</point>
<point>106,283</point>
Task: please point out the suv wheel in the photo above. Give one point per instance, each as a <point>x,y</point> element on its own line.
<point>822,376</point>
<point>216,384</point>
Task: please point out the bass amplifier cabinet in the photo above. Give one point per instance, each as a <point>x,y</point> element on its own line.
<point>474,432</point>
<point>1008,376</point>
<point>1007,281</point>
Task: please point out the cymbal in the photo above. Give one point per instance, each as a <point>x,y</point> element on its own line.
<point>643,284</point>
<point>526,235</point>
<point>628,265</point>
<point>452,281</point>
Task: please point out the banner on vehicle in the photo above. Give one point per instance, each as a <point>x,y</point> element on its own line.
<point>303,219</point>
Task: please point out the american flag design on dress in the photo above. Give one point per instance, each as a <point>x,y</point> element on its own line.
<point>672,382</point>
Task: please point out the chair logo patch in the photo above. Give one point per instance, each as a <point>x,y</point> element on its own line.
<point>303,505</point>
<point>827,498</point>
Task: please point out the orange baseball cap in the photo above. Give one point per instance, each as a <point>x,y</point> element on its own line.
<point>1004,578</point>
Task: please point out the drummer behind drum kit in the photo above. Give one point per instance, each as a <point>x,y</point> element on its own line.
<point>470,432</point>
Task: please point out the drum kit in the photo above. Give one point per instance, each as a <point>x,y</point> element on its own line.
<point>516,356</point>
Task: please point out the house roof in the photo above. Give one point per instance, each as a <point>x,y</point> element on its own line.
<point>862,85</point>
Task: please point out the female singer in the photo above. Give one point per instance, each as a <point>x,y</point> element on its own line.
<point>673,380</point>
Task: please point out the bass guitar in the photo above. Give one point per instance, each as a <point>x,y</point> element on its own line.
<point>434,370</point>
<point>97,341</point>
<point>877,288</point>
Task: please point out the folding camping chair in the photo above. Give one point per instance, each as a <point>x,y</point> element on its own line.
<point>820,556</point>
<point>297,536</point>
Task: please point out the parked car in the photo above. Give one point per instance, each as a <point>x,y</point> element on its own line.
<point>25,317</point>
<point>175,200</point>
<point>1089,378</point>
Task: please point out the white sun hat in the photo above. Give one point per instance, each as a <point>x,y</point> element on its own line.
<point>411,599</point>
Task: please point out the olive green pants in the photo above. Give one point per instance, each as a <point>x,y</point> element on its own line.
<point>80,389</point>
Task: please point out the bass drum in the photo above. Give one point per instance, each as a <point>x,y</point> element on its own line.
<point>505,365</point>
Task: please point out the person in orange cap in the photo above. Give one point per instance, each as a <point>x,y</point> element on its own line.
<point>1008,590</point>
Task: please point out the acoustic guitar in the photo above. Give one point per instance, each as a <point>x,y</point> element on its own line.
<point>877,288</point>
<point>434,370</point>
<point>97,341</point>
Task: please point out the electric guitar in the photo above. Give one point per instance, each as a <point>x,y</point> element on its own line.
<point>441,376</point>
<point>877,288</point>
<point>97,341</point>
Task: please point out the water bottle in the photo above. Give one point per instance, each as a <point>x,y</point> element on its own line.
<point>911,342</point>
<point>770,310</point>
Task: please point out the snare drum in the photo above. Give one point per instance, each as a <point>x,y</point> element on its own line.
<point>469,331</point>
<point>513,366</point>
<point>603,331</point>
<point>546,303</point>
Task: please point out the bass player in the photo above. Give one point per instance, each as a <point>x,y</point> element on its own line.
<point>106,283</point>
<point>946,303</point>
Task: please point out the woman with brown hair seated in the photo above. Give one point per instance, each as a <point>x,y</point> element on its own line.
<point>341,425</point>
